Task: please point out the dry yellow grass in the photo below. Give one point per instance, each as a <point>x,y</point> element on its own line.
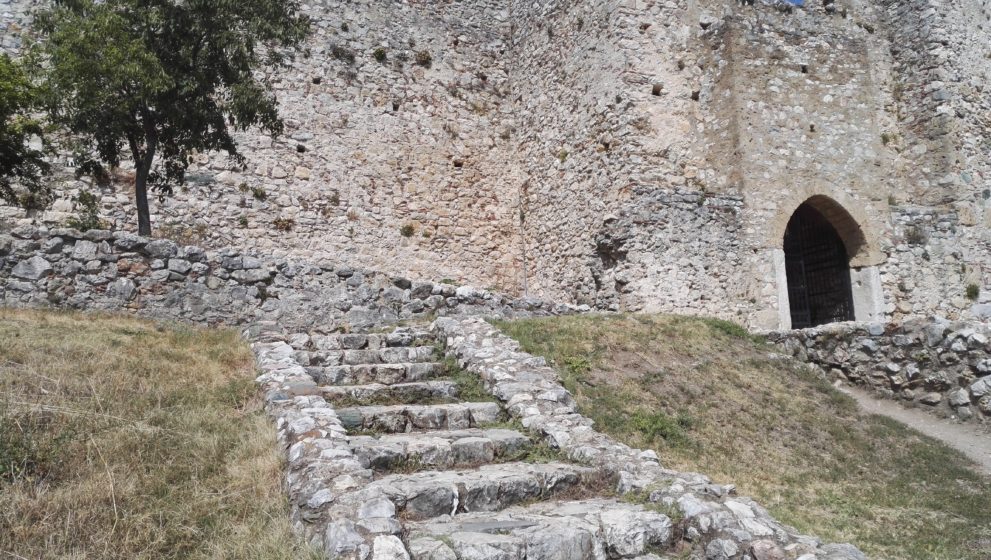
<point>711,399</point>
<point>123,438</point>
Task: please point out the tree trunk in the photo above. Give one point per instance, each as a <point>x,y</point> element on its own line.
<point>143,160</point>
<point>141,199</point>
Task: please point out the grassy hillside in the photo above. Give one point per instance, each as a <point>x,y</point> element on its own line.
<point>120,438</point>
<point>709,398</point>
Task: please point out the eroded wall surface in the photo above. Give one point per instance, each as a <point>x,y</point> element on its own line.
<point>626,154</point>
<point>392,164</point>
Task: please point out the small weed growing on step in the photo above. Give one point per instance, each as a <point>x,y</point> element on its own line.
<point>407,465</point>
<point>642,498</point>
<point>469,385</point>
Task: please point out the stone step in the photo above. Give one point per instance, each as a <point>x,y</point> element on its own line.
<point>407,418</point>
<point>577,530</point>
<point>388,374</point>
<point>399,337</point>
<point>396,355</point>
<point>400,392</point>
<point>438,449</point>
<point>428,494</point>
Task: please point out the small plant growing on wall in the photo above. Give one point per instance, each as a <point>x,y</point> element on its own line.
<point>379,54</point>
<point>284,224</point>
<point>243,221</point>
<point>915,235</point>
<point>87,212</point>
<point>973,292</point>
<point>407,230</point>
<point>259,193</point>
<point>343,54</point>
<point>424,59</point>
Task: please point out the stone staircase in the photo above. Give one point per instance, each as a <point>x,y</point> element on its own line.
<point>465,482</point>
<point>389,461</point>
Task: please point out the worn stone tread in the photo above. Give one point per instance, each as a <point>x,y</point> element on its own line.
<point>411,391</point>
<point>494,487</point>
<point>407,418</point>
<point>573,530</point>
<point>372,341</point>
<point>354,357</point>
<point>439,449</point>
<point>388,374</point>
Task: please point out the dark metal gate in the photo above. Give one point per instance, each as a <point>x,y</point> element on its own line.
<point>818,271</point>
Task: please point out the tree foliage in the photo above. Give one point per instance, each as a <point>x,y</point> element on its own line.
<point>155,81</point>
<point>22,164</point>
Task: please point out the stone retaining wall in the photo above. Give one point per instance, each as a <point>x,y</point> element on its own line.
<point>939,365</point>
<point>102,270</point>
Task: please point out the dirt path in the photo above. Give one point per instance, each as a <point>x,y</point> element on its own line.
<point>971,440</point>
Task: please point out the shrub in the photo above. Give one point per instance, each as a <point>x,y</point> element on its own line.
<point>915,235</point>
<point>87,212</point>
<point>973,292</point>
<point>342,53</point>
<point>284,224</point>
<point>424,59</point>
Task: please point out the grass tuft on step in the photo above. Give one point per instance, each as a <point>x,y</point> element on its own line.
<point>711,398</point>
<point>123,438</point>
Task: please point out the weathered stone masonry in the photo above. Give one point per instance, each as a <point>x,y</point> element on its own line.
<point>938,365</point>
<point>625,154</point>
<point>101,270</point>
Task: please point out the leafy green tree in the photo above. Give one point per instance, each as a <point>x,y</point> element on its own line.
<point>22,165</point>
<point>158,80</point>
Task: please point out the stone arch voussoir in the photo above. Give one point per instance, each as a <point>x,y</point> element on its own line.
<point>848,217</point>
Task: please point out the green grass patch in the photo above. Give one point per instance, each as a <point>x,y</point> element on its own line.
<point>123,438</point>
<point>470,386</point>
<point>709,397</point>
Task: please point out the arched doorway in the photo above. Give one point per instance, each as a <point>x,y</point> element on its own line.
<point>817,266</point>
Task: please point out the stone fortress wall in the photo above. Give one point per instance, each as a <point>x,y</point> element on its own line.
<point>635,154</point>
